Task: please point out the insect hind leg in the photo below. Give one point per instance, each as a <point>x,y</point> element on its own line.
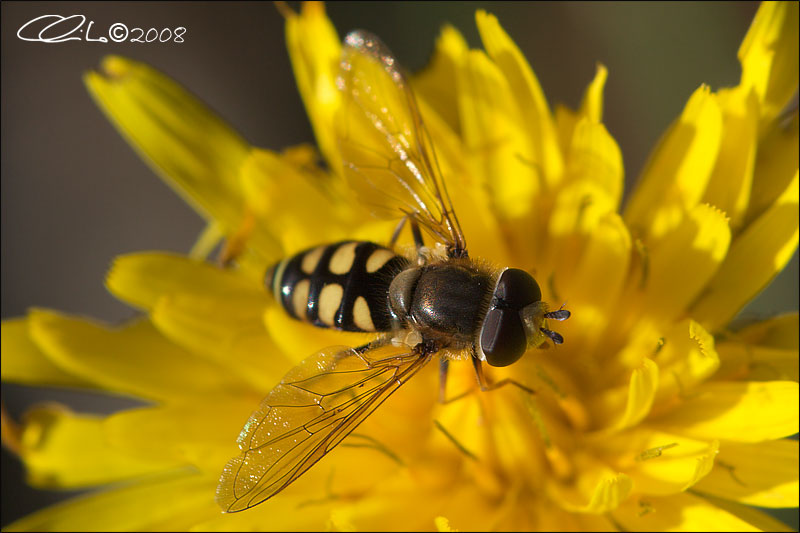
<point>386,340</point>
<point>444,364</point>
<point>415,232</point>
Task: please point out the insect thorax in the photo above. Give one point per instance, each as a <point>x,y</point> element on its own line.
<point>447,300</point>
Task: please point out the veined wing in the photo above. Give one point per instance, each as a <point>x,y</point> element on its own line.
<point>315,406</point>
<point>388,155</point>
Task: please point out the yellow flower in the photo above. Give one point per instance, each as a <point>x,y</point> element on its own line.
<point>653,415</point>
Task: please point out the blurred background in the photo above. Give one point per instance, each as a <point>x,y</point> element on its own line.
<point>75,195</point>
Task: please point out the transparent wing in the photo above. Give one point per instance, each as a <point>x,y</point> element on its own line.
<point>316,405</point>
<point>388,156</point>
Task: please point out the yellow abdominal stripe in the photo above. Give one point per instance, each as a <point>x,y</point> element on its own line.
<point>343,258</point>
<point>377,259</point>
<point>311,259</point>
<point>330,298</point>
<point>361,315</point>
<point>300,298</point>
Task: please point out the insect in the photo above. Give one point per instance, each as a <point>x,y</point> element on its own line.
<point>439,302</point>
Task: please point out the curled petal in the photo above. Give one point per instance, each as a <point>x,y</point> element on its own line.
<point>763,474</point>
<point>761,251</point>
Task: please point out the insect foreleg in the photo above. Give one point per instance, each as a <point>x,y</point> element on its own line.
<point>486,386</point>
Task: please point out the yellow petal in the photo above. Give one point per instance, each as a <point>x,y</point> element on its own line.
<point>134,359</point>
<point>755,517</point>
<point>617,408</point>
<point>348,481</point>
<point>142,506</point>
<point>466,191</point>
<point>201,432</point>
<point>296,209</point>
<point>140,279</point>
<point>594,156</point>
<point>763,474</point>
<point>62,450</point>
<point>757,363</point>
<point>297,340</point>
<point>658,463</point>
<point>676,174</point>
<point>641,393</point>
<point>443,525</point>
<point>293,201</point>
<point>434,83</point>
<point>741,412</point>
<point>732,178</point>
<point>190,147</point>
<point>24,362</point>
<point>378,507</point>
<point>492,134</point>
<point>494,137</point>
<point>580,208</point>
<point>687,357</point>
<point>599,278</point>
<point>592,103</point>
<point>776,164</point>
<point>769,56</point>
<point>683,262</point>
<point>314,50</point>
<point>565,120</point>
<point>287,512</point>
<point>614,368</point>
<point>777,332</point>
<point>683,474</point>
<point>528,95</point>
<point>605,493</point>
<point>682,512</point>
<point>465,508</point>
<point>755,257</point>
<point>228,332</point>
<point>591,109</point>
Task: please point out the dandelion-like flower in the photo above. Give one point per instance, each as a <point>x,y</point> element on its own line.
<point>653,415</point>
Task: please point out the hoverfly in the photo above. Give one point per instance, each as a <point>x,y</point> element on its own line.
<point>436,303</point>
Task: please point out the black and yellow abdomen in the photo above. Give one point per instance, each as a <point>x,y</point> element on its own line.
<point>343,286</point>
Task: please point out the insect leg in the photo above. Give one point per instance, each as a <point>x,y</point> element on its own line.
<point>397,230</point>
<point>415,231</point>
<point>235,244</point>
<point>486,386</point>
<point>386,340</point>
<point>377,343</point>
<point>444,364</point>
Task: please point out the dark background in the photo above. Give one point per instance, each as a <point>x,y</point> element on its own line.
<point>74,195</point>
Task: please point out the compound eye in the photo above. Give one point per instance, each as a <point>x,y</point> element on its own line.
<point>503,337</point>
<point>517,289</point>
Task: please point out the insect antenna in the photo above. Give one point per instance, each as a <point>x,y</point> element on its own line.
<point>561,314</point>
<point>555,337</point>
